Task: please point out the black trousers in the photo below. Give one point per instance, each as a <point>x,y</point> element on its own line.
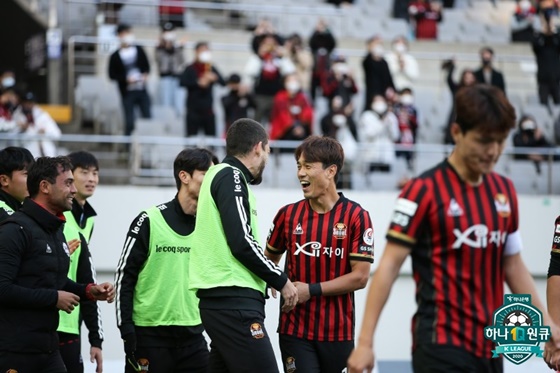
<point>191,358</point>
<point>197,120</point>
<point>32,363</point>
<point>549,88</point>
<point>130,100</point>
<point>445,359</point>
<point>71,351</point>
<point>304,356</point>
<point>240,342</point>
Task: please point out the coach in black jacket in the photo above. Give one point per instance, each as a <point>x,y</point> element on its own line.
<point>34,261</point>
<point>129,67</point>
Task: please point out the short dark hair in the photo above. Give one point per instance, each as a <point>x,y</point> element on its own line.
<point>14,158</point>
<point>243,135</point>
<point>483,107</point>
<point>200,44</point>
<point>192,159</point>
<point>83,159</point>
<point>123,27</point>
<point>405,90</point>
<point>322,149</point>
<point>45,168</point>
<point>487,49</point>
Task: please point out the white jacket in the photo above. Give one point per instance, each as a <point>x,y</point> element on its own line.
<point>43,126</point>
<point>377,136</point>
<point>405,77</point>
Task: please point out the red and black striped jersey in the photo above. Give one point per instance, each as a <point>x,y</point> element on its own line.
<point>458,235</point>
<point>321,247</point>
<point>554,266</point>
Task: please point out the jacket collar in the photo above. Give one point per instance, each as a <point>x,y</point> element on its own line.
<point>45,219</point>
<point>232,161</point>
<point>13,203</point>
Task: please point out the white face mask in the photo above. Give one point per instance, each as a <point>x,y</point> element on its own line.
<point>528,125</point>
<point>339,120</point>
<point>128,39</point>
<point>525,5</point>
<point>205,57</point>
<point>407,99</point>
<point>341,68</point>
<point>400,48</point>
<point>8,81</point>
<point>292,86</point>
<point>377,50</point>
<point>379,107</point>
<point>168,36</point>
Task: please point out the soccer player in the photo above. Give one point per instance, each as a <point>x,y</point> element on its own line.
<point>14,163</point>
<point>77,231</point>
<point>157,314</point>
<point>328,241</point>
<point>553,289</point>
<point>228,268</point>
<point>459,222</point>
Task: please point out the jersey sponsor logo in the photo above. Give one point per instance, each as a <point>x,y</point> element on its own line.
<point>162,207</point>
<point>502,205</point>
<point>368,236</point>
<point>406,206</point>
<point>365,250</point>
<point>316,249</point>
<point>237,181</point>
<point>290,364</point>
<point>400,219</point>
<point>478,236</point>
<point>339,231</point>
<point>257,331</point>
<point>298,230</point>
<point>270,232</point>
<point>172,249</point>
<point>557,230</point>
<point>454,208</point>
<point>141,219</point>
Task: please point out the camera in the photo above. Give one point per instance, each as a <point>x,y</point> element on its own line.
<point>447,64</point>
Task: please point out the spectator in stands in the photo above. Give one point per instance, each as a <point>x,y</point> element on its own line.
<point>264,29</point>
<point>34,121</point>
<point>339,82</point>
<point>8,103</point>
<point>377,76</point>
<point>529,135</point>
<point>110,11</point>
<point>546,47</point>
<point>172,13</point>
<point>129,67</point>
<point>407,117</point>
<point>292,114</point>
<point>467,79</point>
<point>301,58</point>
<point>264,72</point>
<point>7,79</point>
<point>322,43</point>
<point>402,65</point>
<point>237,102</point>
<point>424,16</point>
<point>170,62</point>
<point>379,129</point>
<point>486,73</point>
<point>522,21</point>
<point>199,79</point>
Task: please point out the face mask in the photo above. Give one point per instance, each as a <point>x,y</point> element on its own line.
<point>205,57</point>
<point>292,86</point>
<point>486,62</point>
<point>128,39</point>
<point>379,107</point>
<point>339,120</point>
<point>400,48</point>
<point>407,99</point>
<point>525,5</point>
<point>168,36</point>
<point>377,50</point>
<point>528,125</point>
<point>8,82</point>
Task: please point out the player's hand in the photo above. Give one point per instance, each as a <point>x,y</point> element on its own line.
<point>360,360</point>
<point>290,296</point>
<point>104,291</point>
<point>551,355</point>
<point>303,292</point>
<point>96,356</point>
<point>73,245</point>
<point>67,301</point>
<point>273,293</point>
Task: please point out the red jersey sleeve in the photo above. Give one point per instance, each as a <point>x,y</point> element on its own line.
<point>276,241</point>
<point>361,240</point>
<point>409,216</point>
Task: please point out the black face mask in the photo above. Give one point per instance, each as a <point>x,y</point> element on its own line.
<point>486,62</point>
<point>27,111</point>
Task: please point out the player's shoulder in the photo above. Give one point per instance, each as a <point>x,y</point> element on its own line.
<point>298,205</point>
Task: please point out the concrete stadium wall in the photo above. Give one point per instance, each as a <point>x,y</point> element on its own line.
<point>117,207</point>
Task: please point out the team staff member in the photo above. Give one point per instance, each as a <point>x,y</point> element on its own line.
<point>34,261</point>
<point>14,163</point>
<point>328,241</point>
<point>459,222</point>
<point>157,315</point>
<point>79,227</point>
<point>228,268</point>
